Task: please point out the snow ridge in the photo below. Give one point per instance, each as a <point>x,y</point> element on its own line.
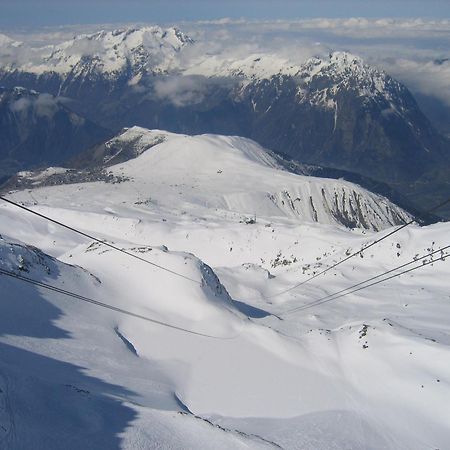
<point>323,79</point>
<point>132,50</point>
<point>232,174</point>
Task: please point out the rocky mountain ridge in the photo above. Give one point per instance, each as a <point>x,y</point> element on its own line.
<point>333,111</point>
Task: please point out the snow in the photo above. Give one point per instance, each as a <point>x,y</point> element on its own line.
<point>238,176</point>
<point>7,43</point>
<point>257,66</point>
<point>41,175</point>
<point>137,138</point>
<point>109,52</point>
<point>369,370</point>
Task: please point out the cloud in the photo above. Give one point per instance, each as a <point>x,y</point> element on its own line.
<point>181,90</point>
<point>41,105</point>
<point>84,46</point>
<point>46,105</point>
<point>21,105</point>
<point>430,78</point>
<point>187,89</point>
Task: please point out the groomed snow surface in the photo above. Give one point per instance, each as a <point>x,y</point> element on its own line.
<point>367,371</point>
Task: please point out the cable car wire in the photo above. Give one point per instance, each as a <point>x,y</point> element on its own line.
<point>104,305</point>
<point>377,241</point>
<point>75,230</point>
<point>342,293</point>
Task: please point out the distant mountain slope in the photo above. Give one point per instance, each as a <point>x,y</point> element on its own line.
<point>132,142</point>
<point>344,114</point>
<point>333,111</point>
<point>227,173</point>
<point>92,66</point>
<point>39,129</point>
<point>128,144</point>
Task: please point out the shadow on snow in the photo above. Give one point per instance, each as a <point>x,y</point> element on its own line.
<point>46,403</point>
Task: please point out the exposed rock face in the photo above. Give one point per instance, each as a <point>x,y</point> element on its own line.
<point>346,115</point>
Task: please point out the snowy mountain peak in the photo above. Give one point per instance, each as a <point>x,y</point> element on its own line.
<point>345,58</point>
<point>130,49</point>
<point>133,37</point>
<point>318,79</point>
<point>132,53</point>
<point>263,66</point>
<point>339,64</point>
<point>130,143</point>
<point>237,175</point>
<point>321,79</point>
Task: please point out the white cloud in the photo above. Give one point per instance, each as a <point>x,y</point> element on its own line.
<point>431,78</point>
<point>187,89</point>
<point>181,91</point>
<point>46,105</point>
<point>42,105</point>
<point>21,105</point>
<point>84,47</point>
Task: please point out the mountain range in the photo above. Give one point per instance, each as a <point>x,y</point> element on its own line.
<point>335,112</point>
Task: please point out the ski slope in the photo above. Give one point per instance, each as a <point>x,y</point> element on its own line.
<point>369,370</point>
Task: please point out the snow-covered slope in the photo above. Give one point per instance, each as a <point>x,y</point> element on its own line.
<point>75,374</point>
<point>237,175</point>
<point>256,66</point>
<point>228,234</point>
<point>131,399</point>
<point>133,51</point>
<point>227,363</point>
<point>231,174</point>
<point>128,144</point>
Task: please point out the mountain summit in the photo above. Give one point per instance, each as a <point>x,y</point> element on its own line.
<point>345,114</point>
<point>133,50</point>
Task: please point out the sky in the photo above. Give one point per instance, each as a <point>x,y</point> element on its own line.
<point>21,13</point>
